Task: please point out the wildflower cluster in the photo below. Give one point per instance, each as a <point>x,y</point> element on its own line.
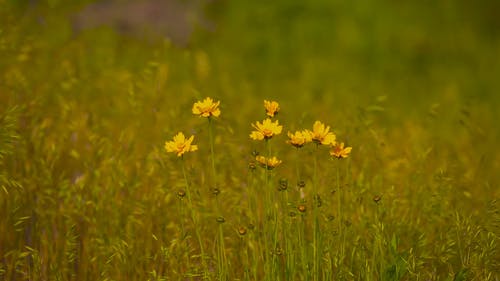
<point>269,163</point>
<point>320,134</point>
<point>265,130</point>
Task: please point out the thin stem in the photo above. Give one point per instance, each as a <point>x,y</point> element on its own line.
<point>193,218</point>
<point>222,250</point>
<point>339,213</point>
<point>297,159</point>
<point>315,218</point>
<point>302,246</point>
<point>246,261</point>
<point>222,255</point>
<point>183,231</point>
<point>212,154</point>
<point>286,237</point>
<point>268,213</point>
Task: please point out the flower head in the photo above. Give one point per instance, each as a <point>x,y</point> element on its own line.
<point>269,163</point>
<point>271,107</point>
<point>266,130</point>
<point>299,138</point>
<point>206,108</point>
<point>322,134</point>
<point>339,151</point>
<point>180,145</point>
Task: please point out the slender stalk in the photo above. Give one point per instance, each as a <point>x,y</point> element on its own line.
<point>287,239</point>
<point>297,160</point>
<point>246,266</point>
<point>268,266</point>
<point>212,154</point>
<point>340,215</point>
<point>270,237</point>
<point>193,218</point>
<point>183,233</point>
<point>257,219</point>
<point>222,255</point>
<point>315,218</point>
<point>303,248</point>
<point>377,248</point>
<point>222,251</point>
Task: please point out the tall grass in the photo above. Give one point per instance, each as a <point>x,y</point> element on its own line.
<point>89,193</point>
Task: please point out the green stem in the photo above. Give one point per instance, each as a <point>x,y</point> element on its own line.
<point>287,244</point>
<point>193,218</point>
<point>222,255</point>
<point>304,259</point>
<point>339,214</point>
<point>246,261</point>
<point>315,218</point>
<point>256,219</point>
<point>269,232</point>
<point>297,161</point>
<point>222,250</point>
<point>212,154</point>
<point>183,231</point>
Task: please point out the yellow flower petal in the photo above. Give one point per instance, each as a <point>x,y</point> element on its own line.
<point>339,151</point>
<point>257,135</point>
<point>267,129</point>
<point>206,108</point>
<point>180,144</point>
<point>322,135</point>
<point>268,163</point>
<point>299,138</point>
<point>271,107</point>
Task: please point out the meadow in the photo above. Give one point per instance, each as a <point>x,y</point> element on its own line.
<point>97,184</point>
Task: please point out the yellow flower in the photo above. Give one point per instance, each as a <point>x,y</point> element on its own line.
<point>299,138</point>
<point>180,145</point>
<point>322,134</point>
<point>269,163</point>
<point>206,108</point>
<point>272,108</point>
<point>266,130</point>
<point>339,151</point>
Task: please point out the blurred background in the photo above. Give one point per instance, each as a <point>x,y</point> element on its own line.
<point>417,49</point>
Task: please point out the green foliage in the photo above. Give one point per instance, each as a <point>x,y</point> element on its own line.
<point>9,138</point>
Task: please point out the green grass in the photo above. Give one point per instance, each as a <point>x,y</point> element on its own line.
<point>88,191</point>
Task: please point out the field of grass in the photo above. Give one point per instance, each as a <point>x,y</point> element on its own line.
<point>89,192</point>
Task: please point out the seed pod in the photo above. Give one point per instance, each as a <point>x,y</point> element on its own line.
<point>181,193</point>
<point>251,166</point>
<point>215,191</point>
<point>220,219</point>
<point>283,184</point>
<point>318,200</point>
<point>302,208</point>
<point>279,251</point>
<point>242,230</point>
<point>377,198</point>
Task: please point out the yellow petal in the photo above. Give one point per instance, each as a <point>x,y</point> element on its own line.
<point>256,135</point>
